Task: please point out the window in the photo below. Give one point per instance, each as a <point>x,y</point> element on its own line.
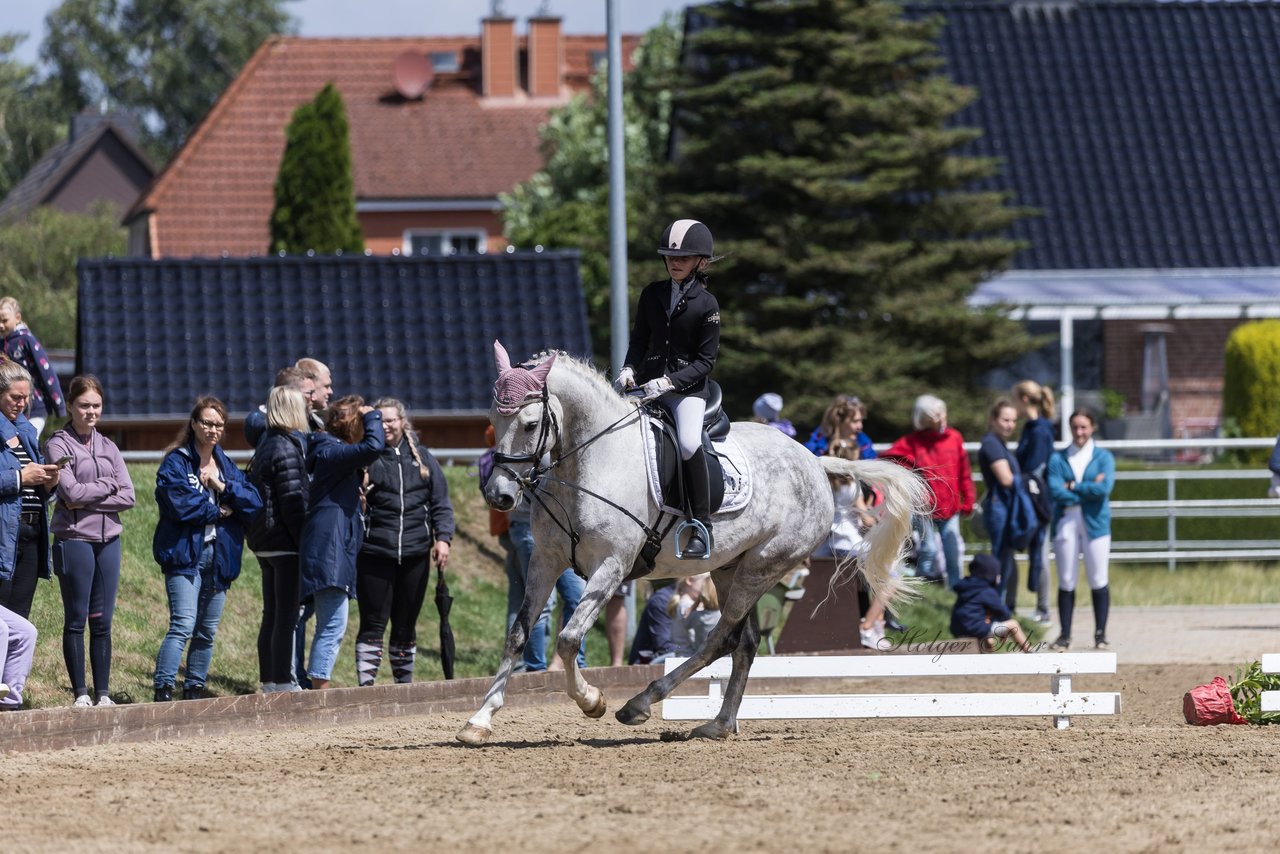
<point>598,59</point>
<point>444,61</point>
<point>438,243</point>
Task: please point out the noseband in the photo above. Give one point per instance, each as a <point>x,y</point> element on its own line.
<point>547,425</point>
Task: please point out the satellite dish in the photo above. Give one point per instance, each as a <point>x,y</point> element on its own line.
<point>412,73</point>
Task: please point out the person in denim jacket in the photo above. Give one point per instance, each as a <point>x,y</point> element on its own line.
<point>25,480</point>
<point>205,505</point>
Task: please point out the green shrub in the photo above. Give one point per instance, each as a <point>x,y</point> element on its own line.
<point>1251,378</point>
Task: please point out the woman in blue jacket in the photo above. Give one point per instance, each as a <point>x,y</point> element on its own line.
<point>1081,477</point>
<point>334,532</point>
<point>25,481</point>
<point>205,506</point>
<point>1035,404</point>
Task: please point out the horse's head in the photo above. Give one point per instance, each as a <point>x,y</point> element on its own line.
<point>526,421</point>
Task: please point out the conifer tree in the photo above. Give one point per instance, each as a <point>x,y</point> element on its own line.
<point>315,205</point>
<point>813,137</point>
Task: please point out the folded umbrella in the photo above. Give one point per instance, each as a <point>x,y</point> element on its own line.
<point>444,602</point>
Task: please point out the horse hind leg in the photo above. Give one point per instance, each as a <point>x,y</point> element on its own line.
<point>744,641</point>
<point>639,708</point>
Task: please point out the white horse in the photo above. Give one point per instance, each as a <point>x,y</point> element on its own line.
<point>596,493</point>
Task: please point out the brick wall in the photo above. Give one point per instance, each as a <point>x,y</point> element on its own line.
<point>1195,351</point>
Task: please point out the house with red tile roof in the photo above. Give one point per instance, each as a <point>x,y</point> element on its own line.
<point>439,126</point>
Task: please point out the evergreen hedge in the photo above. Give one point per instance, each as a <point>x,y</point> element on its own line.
<point>1251,378</point>
<point>315,205</point>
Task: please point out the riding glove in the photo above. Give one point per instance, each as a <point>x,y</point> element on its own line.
<point>626,380</point>
<point>657,388</point>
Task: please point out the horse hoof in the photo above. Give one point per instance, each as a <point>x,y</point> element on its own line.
<point>632,714</point>
<point>598,708</point>
<point>474,735</point>
<point>713,730</point>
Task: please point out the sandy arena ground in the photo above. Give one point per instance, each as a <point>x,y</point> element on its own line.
<point>557,781</point>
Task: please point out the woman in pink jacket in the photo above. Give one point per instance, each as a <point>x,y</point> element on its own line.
<point>93,488</point>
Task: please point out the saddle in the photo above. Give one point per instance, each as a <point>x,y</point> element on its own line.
<point>715,426</point>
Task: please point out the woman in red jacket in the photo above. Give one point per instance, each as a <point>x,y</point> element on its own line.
<point>936,451</point>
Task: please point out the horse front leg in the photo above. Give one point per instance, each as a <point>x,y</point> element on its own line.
<point>600,587</point>
<point>539,581</point>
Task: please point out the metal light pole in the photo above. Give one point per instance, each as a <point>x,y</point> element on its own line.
<point>619,325</point>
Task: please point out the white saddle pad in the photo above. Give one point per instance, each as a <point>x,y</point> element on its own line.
<point>737,471</point>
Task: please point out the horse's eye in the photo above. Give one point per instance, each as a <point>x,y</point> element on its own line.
<point>531,426</point>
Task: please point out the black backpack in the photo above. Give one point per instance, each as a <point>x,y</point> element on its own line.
<point>1041,500</point>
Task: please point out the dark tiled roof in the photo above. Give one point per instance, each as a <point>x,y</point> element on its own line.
<point>47,174</point>
<point>159,333</point>
<point>1147,132</point>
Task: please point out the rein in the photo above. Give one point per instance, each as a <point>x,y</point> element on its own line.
<point>546,424</point>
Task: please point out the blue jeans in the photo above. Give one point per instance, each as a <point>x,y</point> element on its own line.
<point>195,609</point>
<point>331,624</point>
<point>950,530</point>
<point>515,578</point>
<point>570,587</point>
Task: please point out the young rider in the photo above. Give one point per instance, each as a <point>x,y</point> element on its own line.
<point>674,343</point>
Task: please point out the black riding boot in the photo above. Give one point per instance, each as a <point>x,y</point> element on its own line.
<point>699,489</point>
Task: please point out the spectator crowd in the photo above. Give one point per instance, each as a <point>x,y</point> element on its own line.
<point>340,501</point>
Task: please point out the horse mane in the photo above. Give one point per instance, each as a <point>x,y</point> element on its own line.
<point>596,383</point>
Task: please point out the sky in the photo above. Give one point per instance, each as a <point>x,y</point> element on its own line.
<point>391,17</point>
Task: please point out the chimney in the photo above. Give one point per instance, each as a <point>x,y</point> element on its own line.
<point>546,57</point>
<point>498,74</point>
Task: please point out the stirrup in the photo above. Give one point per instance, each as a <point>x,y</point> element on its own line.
<point>706,537</point>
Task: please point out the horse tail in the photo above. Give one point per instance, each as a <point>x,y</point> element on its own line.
<point>905,495</point>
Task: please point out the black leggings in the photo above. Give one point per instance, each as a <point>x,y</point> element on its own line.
<point>280,592</point>
<point>390,589</point>
<point>89,575</point>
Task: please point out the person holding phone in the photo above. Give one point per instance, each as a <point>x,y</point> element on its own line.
<point>334,533</point>
<point>25,481</point>
<point>93,489</point>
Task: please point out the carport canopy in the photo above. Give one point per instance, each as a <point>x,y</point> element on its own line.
<point>1068,295</point>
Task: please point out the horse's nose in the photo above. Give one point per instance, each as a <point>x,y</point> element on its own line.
<point>502,502</point>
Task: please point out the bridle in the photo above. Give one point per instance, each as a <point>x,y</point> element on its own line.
<point>549,425</point>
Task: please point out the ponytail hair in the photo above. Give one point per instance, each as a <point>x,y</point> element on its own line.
<point>1039,395</point>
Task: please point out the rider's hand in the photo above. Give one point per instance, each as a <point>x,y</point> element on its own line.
<point>626,380</point>
<point>657,388</point>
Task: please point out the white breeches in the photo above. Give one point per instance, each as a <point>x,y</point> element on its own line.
<point>688,412</point>
<point>1070,543</point>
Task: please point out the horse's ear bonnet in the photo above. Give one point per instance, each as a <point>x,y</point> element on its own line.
<point>516,384</point>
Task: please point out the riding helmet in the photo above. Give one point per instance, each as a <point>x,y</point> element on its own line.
<point>686,237</point>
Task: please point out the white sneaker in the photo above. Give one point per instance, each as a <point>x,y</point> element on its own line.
<point>270,687</point>
<point>104,700</point>
<point>83,702</point>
